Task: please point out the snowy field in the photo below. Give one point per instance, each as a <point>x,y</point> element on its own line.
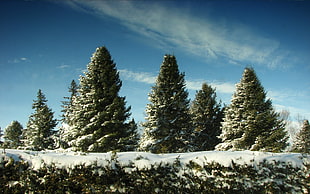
<point>63,159</point>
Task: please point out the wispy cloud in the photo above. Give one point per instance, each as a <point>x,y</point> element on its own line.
<point>148,78</point>
<point>142,77</point>
<point>294,112</point>
<point>286,95</point>
<point>222,87</point>
<point>296,102</point>
<point>63,66</point>
<point>19,60</point>
<point>205,38</point>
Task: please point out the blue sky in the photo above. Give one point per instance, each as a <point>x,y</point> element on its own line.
<point>46,44</point>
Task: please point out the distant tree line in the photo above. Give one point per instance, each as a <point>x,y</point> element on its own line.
<point>96,118</point>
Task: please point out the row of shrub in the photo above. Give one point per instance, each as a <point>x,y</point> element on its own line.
<point>19,177</point>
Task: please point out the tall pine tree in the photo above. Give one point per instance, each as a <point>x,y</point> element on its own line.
<point>302,140</point>
<point>167,126</point>
<point>40,125</point>
<point>99,120</point>
<point>12,134</point>
<point>250,122</point>
<point>207,116</point>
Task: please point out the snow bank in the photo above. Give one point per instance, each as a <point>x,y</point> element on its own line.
<point>62,159</point>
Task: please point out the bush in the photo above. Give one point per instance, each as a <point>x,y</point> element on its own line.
<point>279,177</point>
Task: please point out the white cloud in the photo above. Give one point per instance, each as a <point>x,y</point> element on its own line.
<point>148,78</point>
<point>224,87</point>
<point>63,66</point>
<point>19,60</point>
<point>296,102</point>
<point>288,95</point>
<point>194,85</point>
<point>142,77</point>
<point>294,112</point>
<point>203,37</point>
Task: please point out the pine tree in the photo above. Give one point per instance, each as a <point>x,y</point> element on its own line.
<point>67,104</point>
<point>130,142</point>
<point>167,126</point>
<point>250,122</point>
<point>99,120</point>
<point>12,134</point>
<point>302,140</point>
<point>40,125</point>
<point>207,116</point>
<point>64,133</point>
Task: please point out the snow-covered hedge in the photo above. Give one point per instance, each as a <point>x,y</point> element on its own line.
<point>139,172</point>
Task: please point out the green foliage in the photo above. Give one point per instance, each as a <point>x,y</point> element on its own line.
<point>12,134</point>
<point>207,116</point>
<point>38,135</point>
<point>264,177</point>
<point>167,127</point>
<point>250,122</point>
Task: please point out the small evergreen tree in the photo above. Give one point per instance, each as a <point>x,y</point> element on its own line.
<point>250,122</point>
<point>67,104</point>
<point>40,125</point>
<point>207,116</point>
<point>130,142</point>
<point>64,133</point>
<point>99,119</point>
<point>302,140</point>
<point>12,134</point>
<point>167,126</point>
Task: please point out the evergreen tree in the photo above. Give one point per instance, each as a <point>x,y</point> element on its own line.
<point>130,142</point>
<point>12,134</point>
<point>64,133</point>
<point>67,104</point>
<point>40,125</point>
<point>99,120</point>
<point>250,122</point>
<point>207,116</point>
<point>302,140</point>
<point>167,126</point>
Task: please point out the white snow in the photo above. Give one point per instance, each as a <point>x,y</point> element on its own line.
<point>66,159</point>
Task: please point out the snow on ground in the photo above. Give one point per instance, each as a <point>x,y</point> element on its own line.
<point>65,159</point>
